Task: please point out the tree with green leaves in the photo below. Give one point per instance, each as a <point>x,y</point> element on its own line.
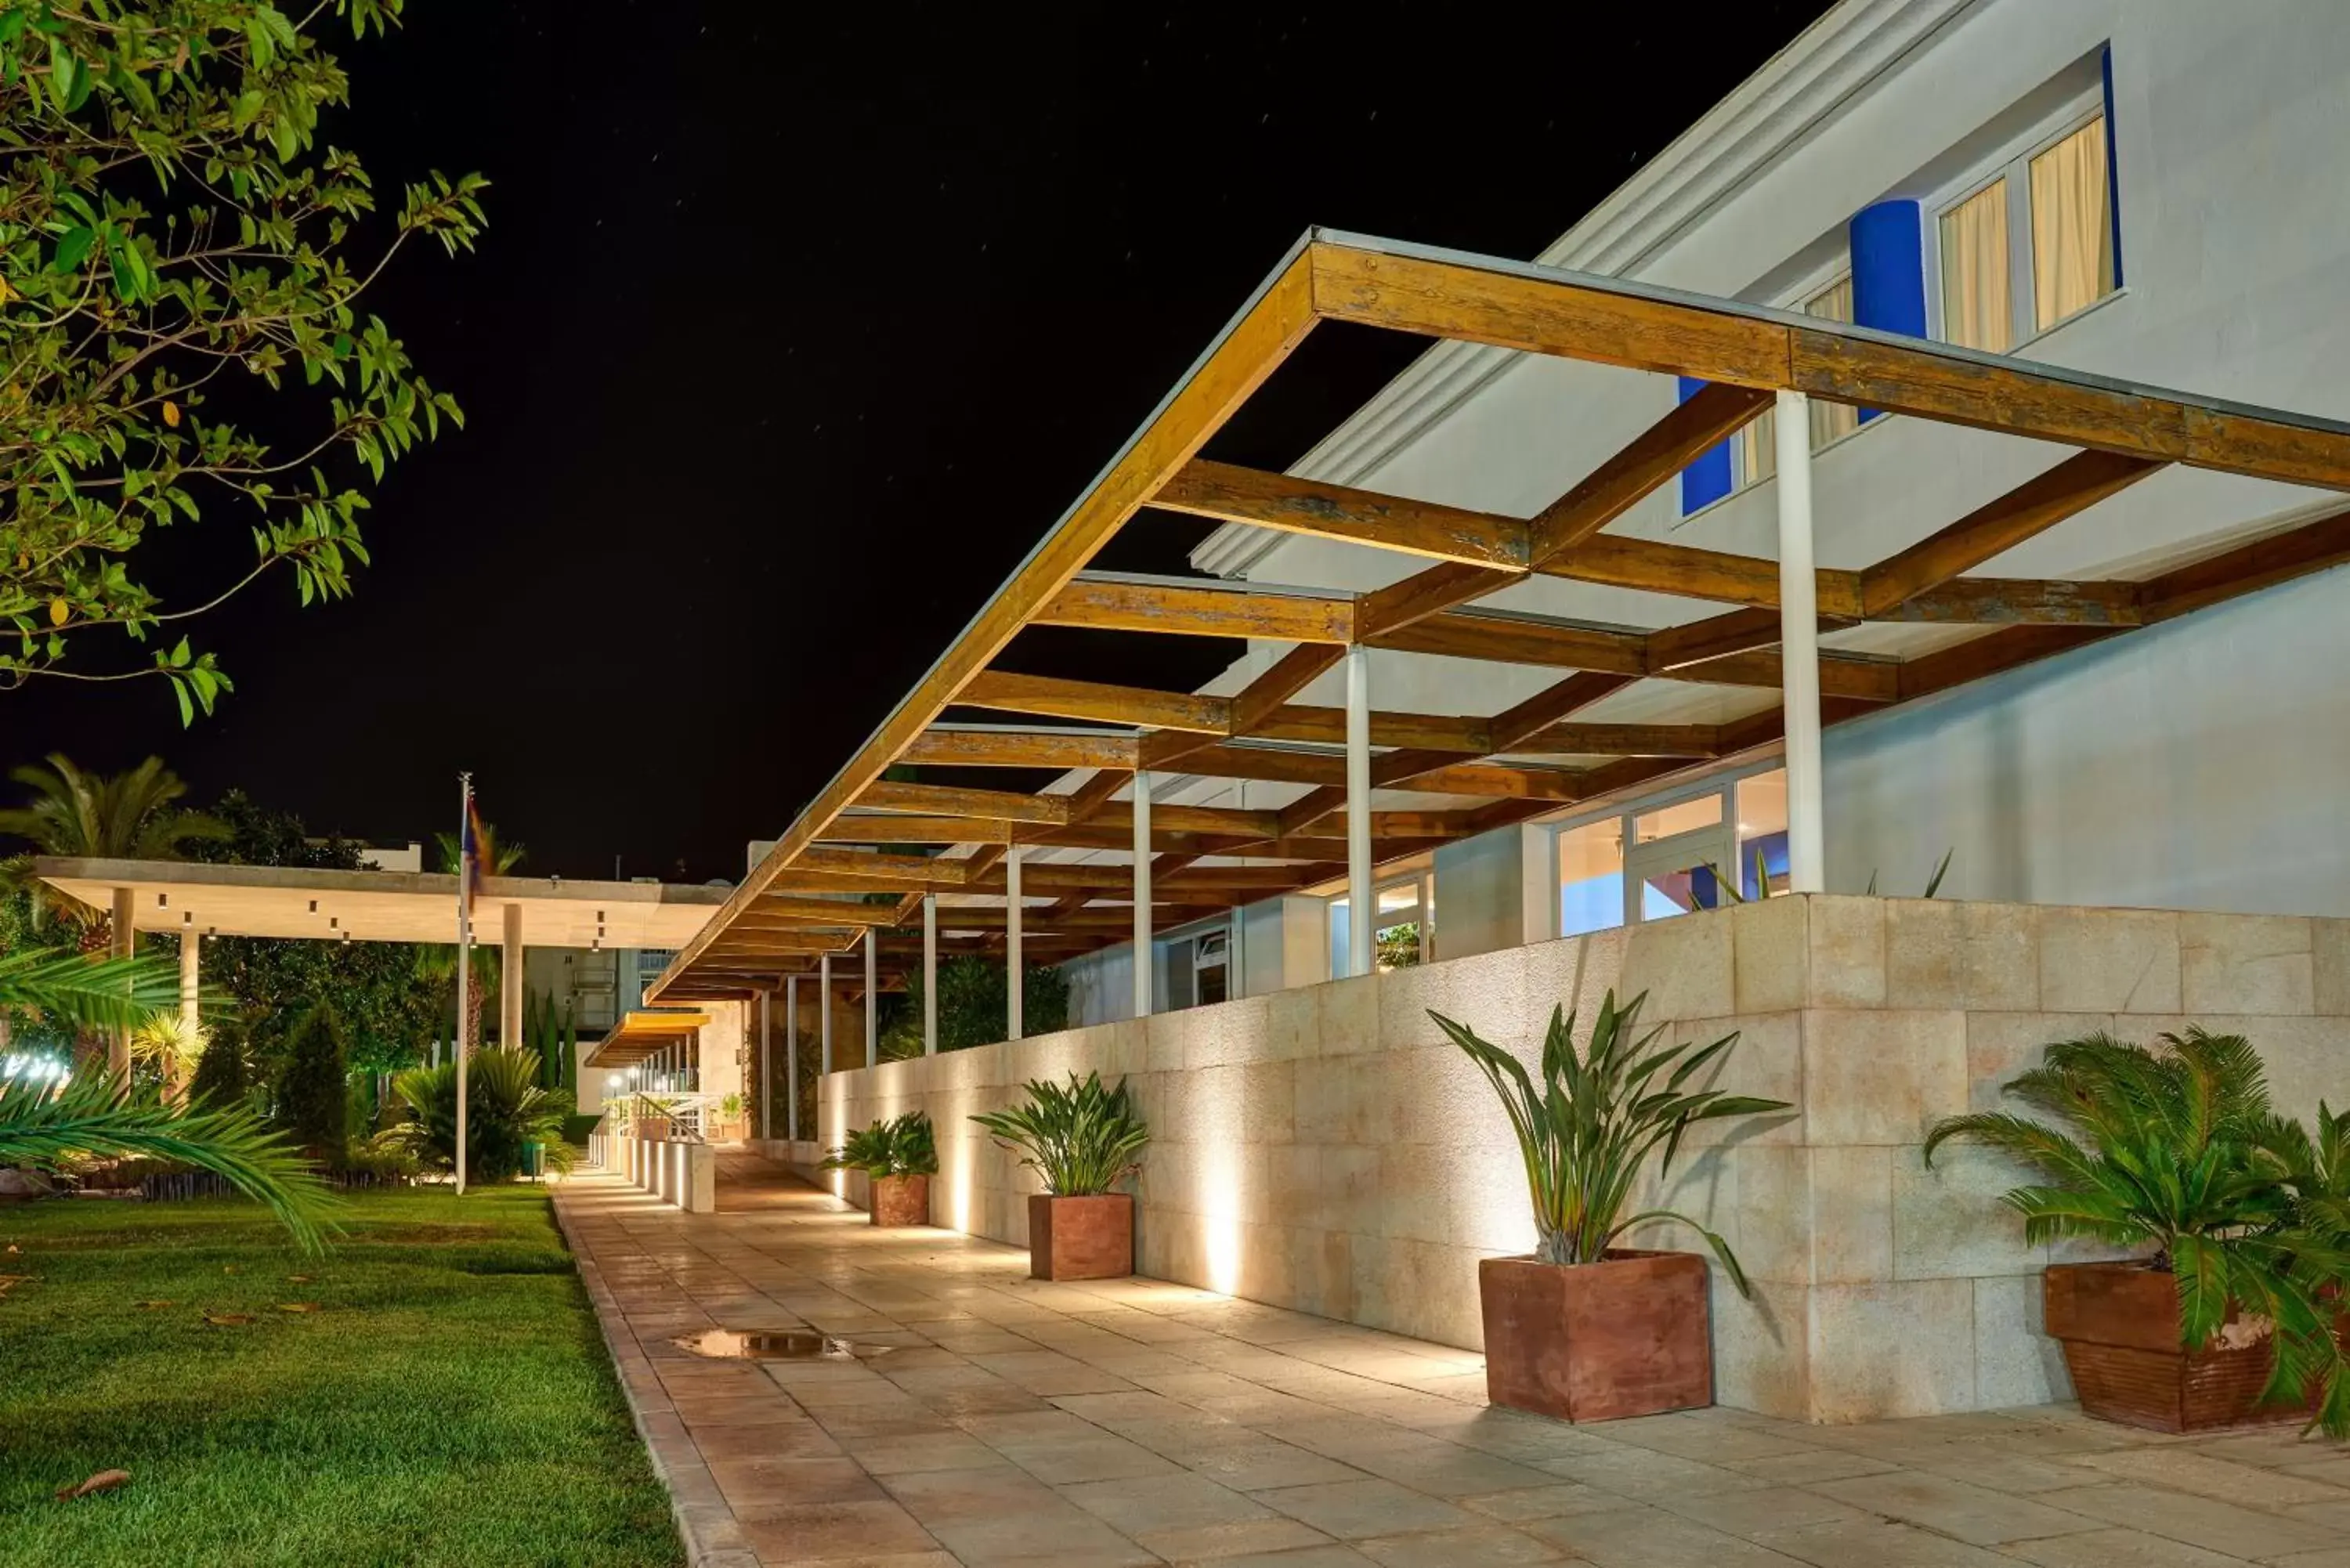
<point>177,243</point>
<point>314,1089</point>
<point>974,1006</point>
<point>133,815</point>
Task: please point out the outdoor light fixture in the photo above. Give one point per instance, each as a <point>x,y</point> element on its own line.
<point>162,900</point>
<point>187,919</point>
<point>334,922</point>
<point>314,906</point>
<point>347,938</point>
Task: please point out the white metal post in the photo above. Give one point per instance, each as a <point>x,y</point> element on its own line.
<point>792,1057</point>
<point>872,1000</point>
<point>1359,914</point>
<point>124,938</point>
<point>824,1009</point>
<point>464,958</point>
<point>929,974</point>
<point>1015,973</point>
<point>512,980</point>
<point>766,1072</point>
<point>1799,645</point>
<point>1141,894</point>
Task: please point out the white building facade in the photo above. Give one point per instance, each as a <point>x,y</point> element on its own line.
<point>2149,190</point>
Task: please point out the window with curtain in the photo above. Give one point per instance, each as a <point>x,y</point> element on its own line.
<point>2033,246</point>
<point>1757,458</point>
<point>2072,227</point>
<point>1977,310</point>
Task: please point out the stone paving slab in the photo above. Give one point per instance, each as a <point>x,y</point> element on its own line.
<point>990,1418</point>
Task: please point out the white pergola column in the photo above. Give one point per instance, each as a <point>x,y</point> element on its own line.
<point>824,1008</point>
<point>190,991</point>
<point>123,938</point>
<point>929,974</point>
<point>792,1056</point>
<point>1360,916</point>
<point>1799,644</point>
<point>1141,894</point>
<point>872,1001</point>
<point>1014,971</point>
<point>510,980</point>
<point>766,1076</point>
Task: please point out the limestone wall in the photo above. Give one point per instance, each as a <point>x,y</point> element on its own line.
<point>1326,1149</point>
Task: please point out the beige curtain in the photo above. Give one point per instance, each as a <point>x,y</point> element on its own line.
<point>1830,420</point>
<point>2071,238</point>
<point>1977,312</point>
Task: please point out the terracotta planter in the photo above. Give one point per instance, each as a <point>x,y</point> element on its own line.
<point>1080,1237</point>
<point>2119,1325</point>
<point>1626,1336</point>
<point>900,1200</point>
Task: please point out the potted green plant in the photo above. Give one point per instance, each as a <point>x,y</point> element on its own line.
<point>899,1157</point>
<point>1082,1140</point>
<point>1586,1329</point>
<point>2230,1312</point>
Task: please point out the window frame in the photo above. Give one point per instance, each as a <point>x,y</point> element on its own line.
<point>2012,163</point>
<point>1798,299</point>
<point>1626,814</point>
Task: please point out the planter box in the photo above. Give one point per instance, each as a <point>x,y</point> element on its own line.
<point>900,1200</point>
<point>1626,1336</point>
<point>2119,1325</point>
<point>1080,1237</point>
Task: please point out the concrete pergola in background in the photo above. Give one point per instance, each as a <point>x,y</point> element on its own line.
<point>193,901</point>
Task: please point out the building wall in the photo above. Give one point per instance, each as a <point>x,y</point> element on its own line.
<point>1326,1149</point>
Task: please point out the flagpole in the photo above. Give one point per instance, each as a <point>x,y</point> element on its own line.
<point>465,953</point>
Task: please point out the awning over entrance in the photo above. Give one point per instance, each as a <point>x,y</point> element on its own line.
<point>638,1035</point>
<point>383,905</point>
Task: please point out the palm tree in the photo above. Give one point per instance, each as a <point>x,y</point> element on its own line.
<point>134,816</point>
<point>44,1121</point>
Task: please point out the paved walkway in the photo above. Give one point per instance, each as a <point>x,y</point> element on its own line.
<point>1013,1422</point>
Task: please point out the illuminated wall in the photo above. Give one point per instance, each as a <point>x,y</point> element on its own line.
<point>1324,1148</point>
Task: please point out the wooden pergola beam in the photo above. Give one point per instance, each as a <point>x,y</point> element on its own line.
<point>1136,705</point>
<point>966,748</point>
<point>2038,503</point>
<point>942,800</point>
<point>1231,495</point>
<point>777,911</point>
<point>1207,610</point>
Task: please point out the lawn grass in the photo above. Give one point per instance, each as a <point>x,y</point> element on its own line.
<point>450,1401</point>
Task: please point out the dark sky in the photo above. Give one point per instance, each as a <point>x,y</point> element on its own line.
<point>789,337</point>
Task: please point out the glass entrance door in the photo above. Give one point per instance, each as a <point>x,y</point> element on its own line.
<point>1674,876</point>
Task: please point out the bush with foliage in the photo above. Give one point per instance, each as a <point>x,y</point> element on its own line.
<point>1082,1140</point>
<point>2180,1152</point>
<point>504,1111</point>
<point>906,1145</point>
<point>313,1100</point>
<point>974,1006</point>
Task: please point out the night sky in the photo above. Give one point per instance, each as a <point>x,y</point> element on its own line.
<point>789,338</point>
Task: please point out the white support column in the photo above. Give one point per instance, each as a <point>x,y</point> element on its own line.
<point>929,974</point>
<point>1360,916</point>
<point>123,936</point>
<point>191,986</point>
<point>792,1056</point>
<point>872,1001</point>
<point>1799,645</point>
<point>511,984</point>
<point>1015,973</point>
<point>824,1009</point>
<point>1141,894</point>
<point>766,1074</point>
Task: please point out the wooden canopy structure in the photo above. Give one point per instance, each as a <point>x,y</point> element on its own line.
<point>869,854</point>
<point>641,1035</point>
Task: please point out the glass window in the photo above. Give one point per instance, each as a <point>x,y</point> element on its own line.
<point>1758,459</point>
<point>1685,816</point>
<point>1591,877</point>
<point>1763,834</point>
<point>2072,230</point>
<point>1978,311</point>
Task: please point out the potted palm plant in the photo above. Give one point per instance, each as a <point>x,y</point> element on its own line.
<point>1082,1140</point>
<point>1585,1329</point>
<point>899,1157</point>
<point>2229,1314</point>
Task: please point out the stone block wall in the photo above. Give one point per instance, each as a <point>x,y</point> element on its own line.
<point>1326,1149</point>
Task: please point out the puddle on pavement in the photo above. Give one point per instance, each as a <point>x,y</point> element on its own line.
<point>775,1344</point>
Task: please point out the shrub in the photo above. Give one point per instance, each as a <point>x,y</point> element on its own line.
<point>2180,1151</point>
<point>905,1146</point>
<point>220,1078</point>
<point>313,1091</point>
<point>1081,1140</point>
<point>504,1109</point>
<point>974,1006</point>
<point>1587,1134</point>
